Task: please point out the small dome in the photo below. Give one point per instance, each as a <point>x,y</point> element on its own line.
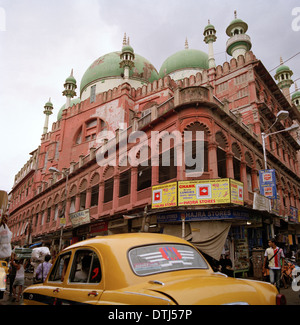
<point>71,79</point>
<point>209,26</point>
<point>49,104</point>
<point>296,95</point>
<point>108,67</point>
<point>283,68</point>
<point>127,48</point>
<point>73,102</point>
<point>236,23</point>
<point>185,59</point>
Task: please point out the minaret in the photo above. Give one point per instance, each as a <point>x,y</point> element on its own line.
<point>47,111</point>
<point>239,42</point>
<point>127,57</point>
<point>70,86</point>
<point>296,97</point>
<point>283,76</point>
<point>209,38</point>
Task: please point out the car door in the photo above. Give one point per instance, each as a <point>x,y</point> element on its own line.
<point>51,292</point>
<point>84,284</point>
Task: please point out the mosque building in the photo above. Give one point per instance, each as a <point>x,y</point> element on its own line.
<point>100,168</point>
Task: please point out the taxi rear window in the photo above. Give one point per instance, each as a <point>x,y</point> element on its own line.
<point>151,259</point>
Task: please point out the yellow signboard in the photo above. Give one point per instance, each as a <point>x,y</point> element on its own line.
<point>237,192</point>
<point>164,196</point>
<point>213,191</point>
<point>202,192</point>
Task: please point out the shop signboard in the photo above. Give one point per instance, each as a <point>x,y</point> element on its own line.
<point>261,203</point>
<point>213,191</point>
<point>164,196</point>
<point>236,192</point>
<point>267,183</point>
<point>80,218</point>
<point>203,215</point>
<point>293,217</point>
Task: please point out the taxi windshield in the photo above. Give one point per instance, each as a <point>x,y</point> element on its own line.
<point>151,259</point>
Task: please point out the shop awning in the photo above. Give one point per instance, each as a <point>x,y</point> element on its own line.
<point>36,244</point>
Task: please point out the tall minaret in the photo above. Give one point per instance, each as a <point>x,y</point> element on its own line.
<point>283,76</point>
<point>47,111</point>
<point>70,86</point>
<point>127,57</point>
<point>209,38</point>
<point>239,42</point>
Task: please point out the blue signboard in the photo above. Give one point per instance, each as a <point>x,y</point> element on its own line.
<point>202,215</point>
<point>267,183</point>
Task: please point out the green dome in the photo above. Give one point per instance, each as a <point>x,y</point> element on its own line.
<point>184,59</point>
<point>108,66</point>
<point>296,95</point>
<point>236,23</point>
<point>48,104</point>
<point>283,68</point>
<point>73,102</point>
<point>209,26</point>
<point>127,48</point>
<point>71,79</point>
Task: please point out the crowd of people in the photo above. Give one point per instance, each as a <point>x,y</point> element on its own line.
<point>16,276</point>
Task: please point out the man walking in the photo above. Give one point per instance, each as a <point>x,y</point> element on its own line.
<point>274,256</point>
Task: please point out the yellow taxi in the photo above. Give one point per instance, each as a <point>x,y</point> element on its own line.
<point>142,269</point>
<point>5,266</point>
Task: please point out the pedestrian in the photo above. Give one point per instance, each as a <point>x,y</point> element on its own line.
<point>12,274</point>
<point>43,269</point>
<point>274,258</point>
<point>19,279</point>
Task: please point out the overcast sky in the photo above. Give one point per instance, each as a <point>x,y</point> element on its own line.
<point>41,41</point>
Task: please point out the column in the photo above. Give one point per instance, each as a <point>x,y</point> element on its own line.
<point>101,196</point>
<point>133,190</point>
<point>115,203</point>
<point>244,179</point>
<point>88,198</point>
<point>213,160</point>
<point>229,165</point>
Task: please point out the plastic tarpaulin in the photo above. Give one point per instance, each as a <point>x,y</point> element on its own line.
<point>208,236</point>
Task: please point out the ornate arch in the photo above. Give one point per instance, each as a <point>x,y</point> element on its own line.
<point>221,140</point>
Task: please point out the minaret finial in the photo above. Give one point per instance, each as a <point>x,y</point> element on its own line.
<point>296,87</point>
<point>124,39</point>
<point>235,14</point>
<point>186,44</point>
<point>281,61</point>
<point>208,21</point>
<point>128,40</point>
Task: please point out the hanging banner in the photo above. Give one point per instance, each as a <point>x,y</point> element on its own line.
<point>267,183</point>
<point>164,196</point>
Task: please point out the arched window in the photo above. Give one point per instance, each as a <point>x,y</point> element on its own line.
<point>236,161</point>
<point>221,154</point>
<point>89,130</point>
<point>191,159</point>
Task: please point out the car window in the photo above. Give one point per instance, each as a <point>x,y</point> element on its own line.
<point>151,259</point>
<point>59,270</point>
<point>85,267</point>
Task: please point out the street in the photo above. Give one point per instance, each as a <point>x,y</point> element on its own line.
<point>292,296</point>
